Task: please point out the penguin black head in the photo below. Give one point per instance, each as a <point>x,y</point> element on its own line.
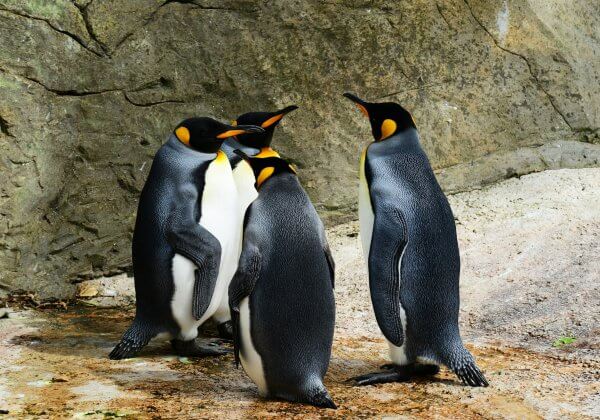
<point>266,120</point>
<point>206,135</point>
<point>387,118</point>
<point>265,167</point>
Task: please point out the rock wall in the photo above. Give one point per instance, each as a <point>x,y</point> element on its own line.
<point>89,89</point>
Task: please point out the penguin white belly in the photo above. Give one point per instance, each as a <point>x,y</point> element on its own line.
<point>249,357</point>
<point>219,207</point>
<point>244,180</point>
<point>365,213</point>
<point>366,221</point>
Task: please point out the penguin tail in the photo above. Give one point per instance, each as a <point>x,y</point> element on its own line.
<point>321,398</point>
<point>134,339</point>
<point>462,363</point>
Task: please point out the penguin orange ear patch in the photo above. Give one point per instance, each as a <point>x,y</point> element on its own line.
<point>183,134</point>
<point>271,121</point>
<point>388,127</point>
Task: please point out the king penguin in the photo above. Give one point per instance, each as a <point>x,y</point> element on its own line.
<point>281,297</point>
<point>409,241</point>
<point>182,238</point>
<point>251,143</point>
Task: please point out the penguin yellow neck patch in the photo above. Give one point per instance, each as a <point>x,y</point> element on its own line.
<point>221,157</point>
<point>266,152</point>
<point>264,175</point>
<point>388,127</point>
<point>271,121</point>
<point>183,135</point>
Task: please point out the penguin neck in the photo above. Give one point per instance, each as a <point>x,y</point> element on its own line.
<point>403,141</point>
<point>178,146</point>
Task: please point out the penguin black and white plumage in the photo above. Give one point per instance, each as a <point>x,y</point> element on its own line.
<point>281,297</point>
<point>182,239</point>
<point>409,241</point>
<point>251,144</point>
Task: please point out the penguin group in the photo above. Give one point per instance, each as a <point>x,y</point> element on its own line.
<point>226,232</point>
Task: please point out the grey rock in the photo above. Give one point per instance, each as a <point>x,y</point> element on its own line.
<point>90,90</point>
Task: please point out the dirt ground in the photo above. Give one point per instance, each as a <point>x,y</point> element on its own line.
<point>530,277</point>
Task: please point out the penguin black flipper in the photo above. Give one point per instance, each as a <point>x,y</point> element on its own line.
<point>328,255</point>
<point>241,286</point>
<point>195,242</point>
<point>384,256</point>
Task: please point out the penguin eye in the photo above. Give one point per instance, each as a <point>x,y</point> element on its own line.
<point>183,134</point>
<point>388,127</point>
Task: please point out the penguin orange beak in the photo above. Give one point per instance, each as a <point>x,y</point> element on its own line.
<point>240,129</point>
<point>278,115</point>
<point>362,105</point>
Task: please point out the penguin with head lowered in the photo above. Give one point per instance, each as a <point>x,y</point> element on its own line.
<point>252,143</point>
<point>281,297</point>
<point>181,243</point>
<point>409,241</point>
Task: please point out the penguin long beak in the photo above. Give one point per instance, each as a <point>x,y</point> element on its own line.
<point>362,105</point>
<point>287,109</point>
<point>240,129</point>
<point>277,115</point>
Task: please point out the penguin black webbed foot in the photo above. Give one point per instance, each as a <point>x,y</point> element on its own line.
<point>125,349</point>
<point>395,373</point>
<point>193,348</point>
<point>225,330</point>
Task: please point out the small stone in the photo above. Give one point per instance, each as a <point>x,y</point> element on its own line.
<point>87,290</point>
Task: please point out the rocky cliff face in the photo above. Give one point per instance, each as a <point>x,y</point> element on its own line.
<point>90,89</point>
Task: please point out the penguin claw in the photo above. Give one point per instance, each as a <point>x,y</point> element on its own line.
<point>124,350</point>
<point>471,375</point>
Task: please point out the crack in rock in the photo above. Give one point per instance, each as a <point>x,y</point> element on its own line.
<point>71,35</point>
<point>83,11</point>
<point>5,127</point>
<point>78,93</point>
<point>529,66</point>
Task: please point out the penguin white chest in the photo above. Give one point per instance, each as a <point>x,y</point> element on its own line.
<point>249,357</point>
<point>219,213</point>
<point>244,180</point>
<point>365,210</point>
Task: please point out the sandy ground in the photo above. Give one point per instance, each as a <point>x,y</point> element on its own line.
<point>531,273</point>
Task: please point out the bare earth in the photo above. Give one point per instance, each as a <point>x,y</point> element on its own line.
<point>530,276</point>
